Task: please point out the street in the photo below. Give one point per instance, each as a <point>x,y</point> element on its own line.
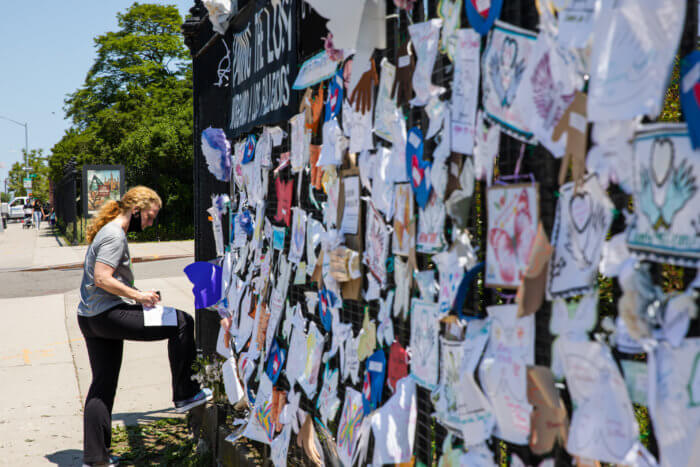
<point>44,366</point>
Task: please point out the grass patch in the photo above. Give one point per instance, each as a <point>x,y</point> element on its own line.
<point>164,442</point>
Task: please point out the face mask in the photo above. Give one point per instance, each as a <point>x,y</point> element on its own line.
<point>135,223</point>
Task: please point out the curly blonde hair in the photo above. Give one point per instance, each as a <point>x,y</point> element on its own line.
<point>140,196</point>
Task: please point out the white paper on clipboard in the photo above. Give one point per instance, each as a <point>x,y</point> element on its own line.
<point>159,315</point>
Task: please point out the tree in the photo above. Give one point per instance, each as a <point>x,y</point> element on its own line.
<point>39,172</point>
<point>147,50</point>
<point>135,108</point>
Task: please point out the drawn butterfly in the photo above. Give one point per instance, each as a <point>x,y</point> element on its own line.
<point>512,252</point>
<point>549,100</point>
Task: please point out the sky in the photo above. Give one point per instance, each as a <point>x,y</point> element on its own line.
<point>46,50</point>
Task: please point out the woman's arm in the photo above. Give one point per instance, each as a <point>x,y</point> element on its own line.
<point>105,280</point>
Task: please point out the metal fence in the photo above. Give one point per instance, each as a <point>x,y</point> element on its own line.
<point>211,110</point>
<point>66,205</point>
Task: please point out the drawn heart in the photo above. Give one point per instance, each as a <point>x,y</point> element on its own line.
<point>580,210</point>
<point>510,52</point>
<point>417,173</point>
<point>416,167</point>
<point>482,6</point>
<point>503,247</point>
<point>662,152</point>
<point>482,14</point>
<point>696,93</point>
<point>334,98</point>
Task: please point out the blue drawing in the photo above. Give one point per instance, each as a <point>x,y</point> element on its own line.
<point>506,71</point>
<point>665,188</point>
<point>249,150</point>
<point>417,169</point>
<point>326,301</point>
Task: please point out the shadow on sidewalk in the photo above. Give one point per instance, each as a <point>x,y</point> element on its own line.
<point>66,458</point>
<point>139,418</point>
<point>52,232</point>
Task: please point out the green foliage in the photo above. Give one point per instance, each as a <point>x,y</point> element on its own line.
<point>135,108</point>
<point>40,183</point>
<point>208,374</point>
<point>672,103</point>
<point>146,51</point>
<point>163,442</point>
<point>5,197</point>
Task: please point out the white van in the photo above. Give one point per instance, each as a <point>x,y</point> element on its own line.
<point>17,208</point>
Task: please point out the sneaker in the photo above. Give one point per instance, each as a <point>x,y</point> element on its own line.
<point>198,399</point>
<point>113,462</point>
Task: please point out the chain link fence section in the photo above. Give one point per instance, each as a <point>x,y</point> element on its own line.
<point>210,110</point>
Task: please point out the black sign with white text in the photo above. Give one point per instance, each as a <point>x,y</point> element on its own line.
<point>263,65</point>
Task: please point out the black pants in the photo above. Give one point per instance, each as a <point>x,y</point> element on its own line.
<point>104,335</point>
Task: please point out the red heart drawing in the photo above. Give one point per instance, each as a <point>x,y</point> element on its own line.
<point>696,93</point>
<point>334,98</point>
<point>417,171</point>
<point>482,7</point>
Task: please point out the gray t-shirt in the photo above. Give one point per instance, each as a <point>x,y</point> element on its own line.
<point>111,248</point>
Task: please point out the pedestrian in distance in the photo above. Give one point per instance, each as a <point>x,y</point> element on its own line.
<point>111,310</point>
<point>28,220</point>
<point>37,213</point>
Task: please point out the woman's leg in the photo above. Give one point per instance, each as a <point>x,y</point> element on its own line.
<point>105,361</point>
<point>182,352</point>
<point>126,322</point>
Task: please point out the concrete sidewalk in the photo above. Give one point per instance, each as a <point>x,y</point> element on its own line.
<point>44,367</point>
<point>41,249</point>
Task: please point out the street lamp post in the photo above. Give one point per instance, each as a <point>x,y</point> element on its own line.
<point>26,137</point>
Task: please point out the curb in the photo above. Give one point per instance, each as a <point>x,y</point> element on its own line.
<point>61,267</point>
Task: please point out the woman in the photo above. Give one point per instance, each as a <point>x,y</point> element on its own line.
<point>111,309</point>
<point>37,213</point>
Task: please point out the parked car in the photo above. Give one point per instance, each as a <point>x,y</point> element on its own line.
<point>16,208</point>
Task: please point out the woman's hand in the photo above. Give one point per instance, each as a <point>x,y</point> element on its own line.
<point>148,299</point>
